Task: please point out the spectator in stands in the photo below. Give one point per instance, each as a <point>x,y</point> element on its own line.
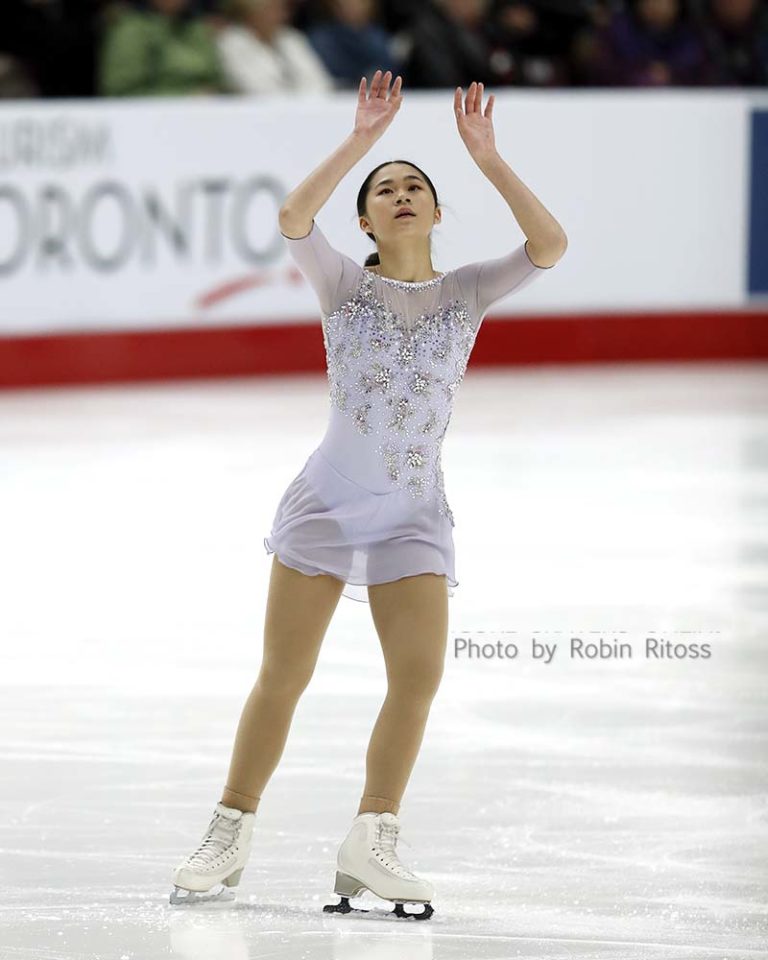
<point>652,43</point>
<point>303,13</point>
<point>350,43</point>
<point>161,48</point>
<point>448,45</point>
<point>585,46</point>
<point>735,35</point>
<point>49,46</point>
<point>262,53</point>
<point>397,15</point>
<point>529,46</point>
<point>15,78</point>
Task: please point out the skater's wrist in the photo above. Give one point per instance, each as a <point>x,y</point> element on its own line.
<point>363,139</point>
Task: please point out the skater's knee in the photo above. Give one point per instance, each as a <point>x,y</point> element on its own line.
<point>415,681</point>
<point>284,682</point>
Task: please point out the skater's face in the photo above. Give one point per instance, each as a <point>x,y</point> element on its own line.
<point>394,188</point>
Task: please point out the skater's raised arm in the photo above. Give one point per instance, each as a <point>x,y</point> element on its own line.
<point>375,112</point>
<point>486,281</point>
<point>546,239</point>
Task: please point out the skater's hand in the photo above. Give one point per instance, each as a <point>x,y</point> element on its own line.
<point>475,127</point>
<point>376,112</point>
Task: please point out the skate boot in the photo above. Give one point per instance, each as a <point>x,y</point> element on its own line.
<point>367,860</point>
<point>218,862</point>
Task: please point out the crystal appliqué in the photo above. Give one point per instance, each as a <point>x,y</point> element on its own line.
<point>396,380</point>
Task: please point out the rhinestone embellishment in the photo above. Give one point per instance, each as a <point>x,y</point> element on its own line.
<point>396,378</point>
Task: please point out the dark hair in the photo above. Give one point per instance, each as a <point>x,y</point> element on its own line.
<point>373,258</point>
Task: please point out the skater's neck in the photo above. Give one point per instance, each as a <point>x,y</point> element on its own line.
<point>405,262</point>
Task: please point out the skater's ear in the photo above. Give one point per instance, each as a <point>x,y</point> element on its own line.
<point>365,226</point>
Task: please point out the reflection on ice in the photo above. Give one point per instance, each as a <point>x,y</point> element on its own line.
<point>605,809</point>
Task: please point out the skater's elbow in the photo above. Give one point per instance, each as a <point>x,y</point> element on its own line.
<point>546,253</point>
<point>294,224</point>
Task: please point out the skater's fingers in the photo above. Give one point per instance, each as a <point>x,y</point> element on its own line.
<point>397,86</point>
<point>361,91</point>
<point>489,107</point>
<point>468,100</point>
<point>385,85</point>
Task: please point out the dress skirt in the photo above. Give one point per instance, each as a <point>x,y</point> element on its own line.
<point>326,523</point>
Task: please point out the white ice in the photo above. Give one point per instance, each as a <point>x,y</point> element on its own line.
<point>576,809</point>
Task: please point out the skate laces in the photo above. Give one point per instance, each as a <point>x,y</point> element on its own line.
<point>222,832</point>
<point>388,835</point>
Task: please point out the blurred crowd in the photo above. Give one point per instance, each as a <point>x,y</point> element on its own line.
<point>85,48</point>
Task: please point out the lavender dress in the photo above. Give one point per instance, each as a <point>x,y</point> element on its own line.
<point>369,505</point>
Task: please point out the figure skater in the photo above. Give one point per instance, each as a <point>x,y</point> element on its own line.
<point>367,515</point>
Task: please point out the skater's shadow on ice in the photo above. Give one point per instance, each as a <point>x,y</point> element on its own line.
<point>211,933</point>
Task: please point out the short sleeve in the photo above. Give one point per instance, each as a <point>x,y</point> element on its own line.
<point>485,282</point>
<point>332,275</point>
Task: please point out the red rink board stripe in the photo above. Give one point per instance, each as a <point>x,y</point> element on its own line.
<point>110,357</point>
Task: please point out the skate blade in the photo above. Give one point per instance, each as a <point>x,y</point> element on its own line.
<point>397,913</point>
<point>182,897</point>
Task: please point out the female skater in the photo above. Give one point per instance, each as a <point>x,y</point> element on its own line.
<point>368,513</point>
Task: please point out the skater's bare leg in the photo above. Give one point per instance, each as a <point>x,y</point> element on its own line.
<point>411,619</point>
<point>299,609</point>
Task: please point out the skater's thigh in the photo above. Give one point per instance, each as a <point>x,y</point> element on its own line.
<point>299,609</point>
<point>411,620</point>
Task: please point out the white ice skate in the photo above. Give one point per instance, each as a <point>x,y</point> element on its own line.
<point>367,860</point>
<point>218,862</point>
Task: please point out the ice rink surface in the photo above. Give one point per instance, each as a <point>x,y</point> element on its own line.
<point>581,808</point>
